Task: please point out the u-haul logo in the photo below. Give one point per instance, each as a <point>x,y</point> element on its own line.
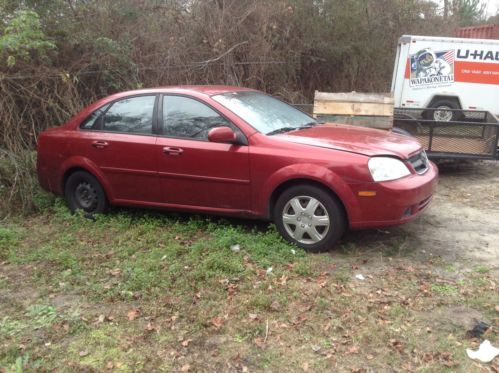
<point>478,55</point>
<point>432,68</point>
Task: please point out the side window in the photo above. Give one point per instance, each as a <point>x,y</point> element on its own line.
<point>131,115</point>
<point>188,118</point>
<point>94,119</point>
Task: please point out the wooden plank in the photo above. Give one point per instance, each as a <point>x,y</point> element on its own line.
<point>379,98</point>
<point>353,108</point>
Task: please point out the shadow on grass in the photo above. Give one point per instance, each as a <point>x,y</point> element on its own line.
<point>393,241</point>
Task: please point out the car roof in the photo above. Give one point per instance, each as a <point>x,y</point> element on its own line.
<point>208,90</point>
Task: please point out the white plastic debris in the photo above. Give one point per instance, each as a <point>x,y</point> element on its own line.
<point>235,248</point>
<point>269,270</point>
<point>485,353</point>
<point>360,277</point>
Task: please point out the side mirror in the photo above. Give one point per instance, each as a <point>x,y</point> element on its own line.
<point>223,135</point>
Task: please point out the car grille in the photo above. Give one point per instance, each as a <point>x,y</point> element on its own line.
<point>420,162</point>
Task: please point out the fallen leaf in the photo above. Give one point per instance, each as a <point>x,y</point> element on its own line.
<point>253,316</point>
<point>358,370</point>
<point>185,368</point>
<point>83,353</point>
<point>446,359</point>
<point>217,322</point>
<point>259,342</point>
<point>133,314</point>
<point>109,365</point>
<point>353,350</point>
<point>231,290</point>
<point>396,345</point>
<point>275,306</point>
<point>115,272</point>
<point>150,327</point>
<point>282,281</point>
<point>186,342</point>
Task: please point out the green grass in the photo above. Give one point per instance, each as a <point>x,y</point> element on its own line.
<point>70,284</point>
<point>481,269</point>
<point>444,289</point>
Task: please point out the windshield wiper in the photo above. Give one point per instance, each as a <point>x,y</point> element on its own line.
<point>309,125</point>
<point>289,129</point>
<point>281,130</point>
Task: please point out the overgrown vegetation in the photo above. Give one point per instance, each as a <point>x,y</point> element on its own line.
<point>59,55</point>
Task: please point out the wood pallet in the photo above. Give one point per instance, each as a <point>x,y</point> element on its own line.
<point>363,109</point>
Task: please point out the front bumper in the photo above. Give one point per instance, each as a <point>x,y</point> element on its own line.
<point>396,202</point>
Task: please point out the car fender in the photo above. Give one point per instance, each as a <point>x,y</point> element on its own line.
<point>89,166</point>
<point>313,172</point>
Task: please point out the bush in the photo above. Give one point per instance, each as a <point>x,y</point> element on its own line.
<point>19,188</point>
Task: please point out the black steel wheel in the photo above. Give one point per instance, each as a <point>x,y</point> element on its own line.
<point>84,192</point>
<point>310,217</point>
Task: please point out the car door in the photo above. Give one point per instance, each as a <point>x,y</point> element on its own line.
<point>194,171</point>
<point>120,139</point>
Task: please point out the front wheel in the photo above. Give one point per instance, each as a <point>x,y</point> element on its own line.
<point>309,217</point>
<point>84,192</point>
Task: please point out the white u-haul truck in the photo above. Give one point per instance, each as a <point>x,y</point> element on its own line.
<point>446,73</point>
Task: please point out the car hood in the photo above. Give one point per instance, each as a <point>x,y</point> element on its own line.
<point>354,139</point>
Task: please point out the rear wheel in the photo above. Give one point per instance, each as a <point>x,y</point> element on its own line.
<point>309,217</point>
<point>83,192</point>
<point>443,113</point>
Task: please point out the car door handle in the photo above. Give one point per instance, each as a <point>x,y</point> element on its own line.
<point>172,151</point>
<point>100,144</point>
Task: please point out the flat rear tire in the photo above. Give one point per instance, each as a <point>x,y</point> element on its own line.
<point>84,192</point>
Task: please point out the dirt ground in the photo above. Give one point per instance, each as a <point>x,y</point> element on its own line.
<point>463,222</point>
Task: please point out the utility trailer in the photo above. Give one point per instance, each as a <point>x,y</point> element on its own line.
<point>474,136</point>
<point>446,73</point>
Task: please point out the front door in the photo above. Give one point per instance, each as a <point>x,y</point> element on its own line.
<point>193,171</point>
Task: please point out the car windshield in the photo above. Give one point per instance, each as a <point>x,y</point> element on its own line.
<point>266,114</point>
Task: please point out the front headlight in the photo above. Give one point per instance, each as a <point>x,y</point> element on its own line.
<point>386,168</point>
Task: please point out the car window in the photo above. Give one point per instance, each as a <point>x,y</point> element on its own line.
<point>131,115</point>
<point>188,118</point>
<point>92,122</point>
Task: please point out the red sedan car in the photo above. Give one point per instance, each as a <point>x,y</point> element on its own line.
<point>239,152</point>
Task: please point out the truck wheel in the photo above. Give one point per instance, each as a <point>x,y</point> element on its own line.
<point>84,192</point>
<point>309,217</point>
<point>443,115</point>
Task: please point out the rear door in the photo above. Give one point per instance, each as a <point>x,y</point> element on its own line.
<point>120,139</point>
<point>193,171</point>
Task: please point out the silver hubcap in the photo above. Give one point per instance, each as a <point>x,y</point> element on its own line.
<point>305,219</point>
<point>443,115</point>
